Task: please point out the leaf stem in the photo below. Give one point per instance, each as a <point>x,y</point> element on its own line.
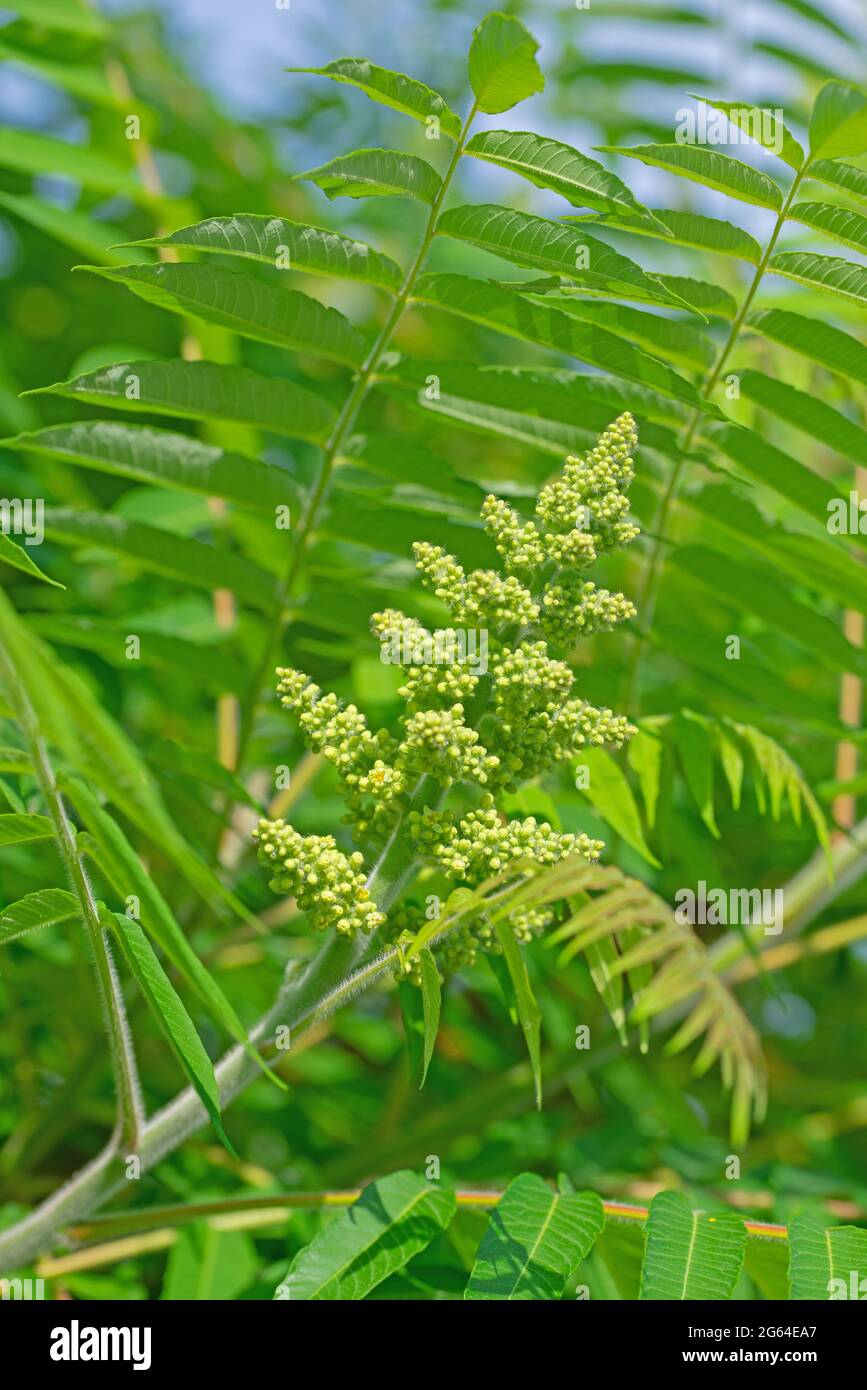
<point>331,449</point>
<point>129,1106</point>
<point>648,593</point>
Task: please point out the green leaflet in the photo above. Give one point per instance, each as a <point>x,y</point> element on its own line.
<point>761,125</point>
<point>207,1264</point>
<point>212,664</point>
<point>644,753</point>
<point>31,153</point>
<point>838,124</point>
<point>694,746</point>
<point>541,244</point>
<point>43,908</point>
<point>80,80</point>
<point>166,1006</point>
<point>66,16</point>
<point>529,1013</point>
<point>689,1255</point>
<point>813,338</point>
<point>779,471</point>
<point>376,173</point>
<point>842,224</point>
<point>755,588</point>
<point>164,459</point>
<point>18,557</point>
<point>830,273</point>
<point>551,164</point>
<point>392,89</point>
<point>196,563</point>
<point>669,339</point>
<point>502,64</point>
<point>825,1264</point>
<point>119,862</point>
<point>683,229</point>
<point>280,242</point>
<point>95,745</point>
<point>266,313</point>
<point>557,412</point>
<point>522,318</point>
<point>610,794</point>
<point>70,227</point>
<point>22,829</point>
<point>707,166</point>
<point>203,391</point>
<point>807,413</point>
<point>837,174</point>
<point>534,1240</point>
<point>392,1220</point>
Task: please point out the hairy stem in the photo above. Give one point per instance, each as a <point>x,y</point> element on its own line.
<point>129,1106</point>
<point>342,425</point>
<point>647,595</point>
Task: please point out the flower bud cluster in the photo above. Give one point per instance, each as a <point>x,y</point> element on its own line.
<point>493,726</point>
<point>328,885</point>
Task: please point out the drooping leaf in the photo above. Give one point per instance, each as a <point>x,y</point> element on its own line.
<point>392,89</point>
<point>168,1009</point>
<point>266,313</point>
<point>644,753</point>
<point>502,64</point>
<point>420,1005</point>
<point>376,174</point>
<point>203,391</point>
<point>391,1222</point>
<point>694,746</point>
<point>529,1013</point>
<point>689,1255</point>
<point>611,795</point>
<point>825,1263</point>
<point>551,164</point>
<point>163,459</point>
<point>280,242</point>
<point>534,1240</point>
<point>119,862</point>
<point>43,908</point>
<point>708,167</point>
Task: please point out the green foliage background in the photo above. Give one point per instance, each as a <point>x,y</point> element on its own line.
<point>745,552</point>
